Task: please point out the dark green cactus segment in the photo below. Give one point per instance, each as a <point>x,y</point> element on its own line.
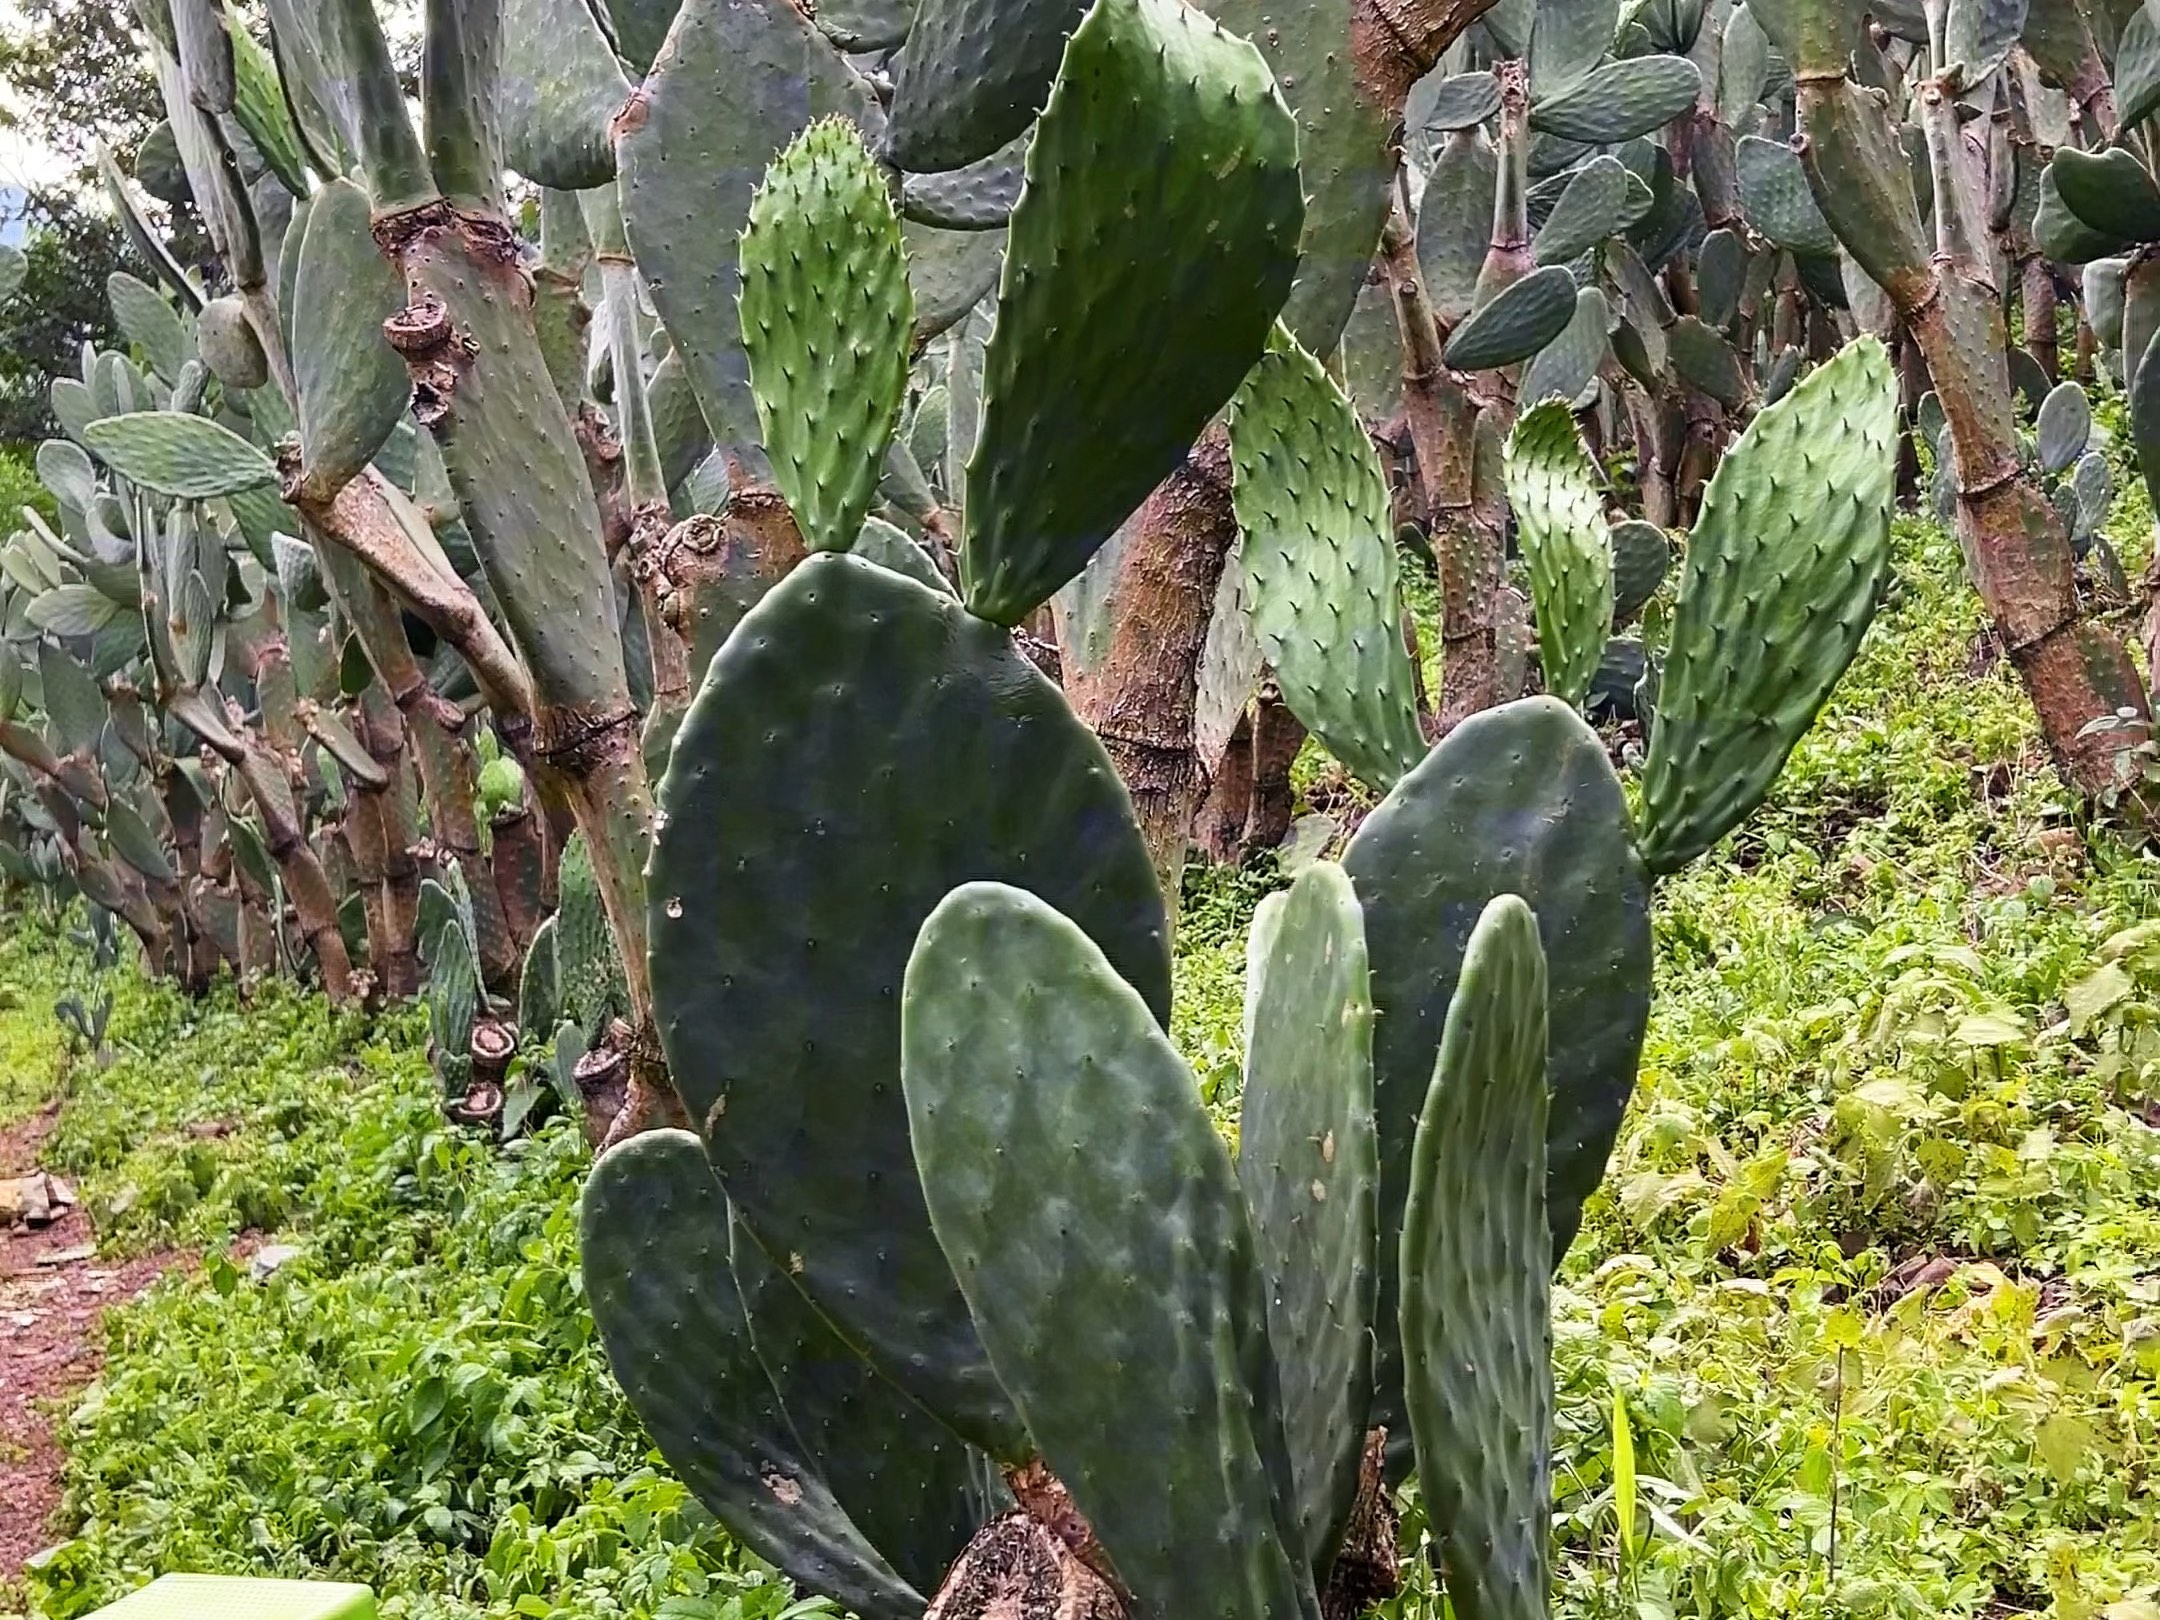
<point>1517,800</point>
<point>1568,38</point>
<point>1344,156</point>
<point>1452,236</point>
<point>803,841</point>
<point>1641,557</point>
<point>2062,233</point>
<point>737,81</point>
<point>453,998</point>
<point>1093,1218</point>
<point>1161,127</point>
<point>826,318</point>
<point>559,89</point>
<point>889,547</point>
<point>353,387</point>
<point>865,25</point>
<point>148,322</point>
<point>1781,580</point>
<point>654,1229</point>
<point>1774,191</point>
<point>907,1481</point>
<point>1588,211</point>
<point>1308,1164</point>
<point>1524,317</point>
<point>1565,367</point>
<point>974,75</point>
<point>539,987</point>
<point>589,975</point>
<point>1706,361</point>
<point>979,197</point>
<point>1312,504</point>
<point>2109,192</point>
<point>1460,101</point>
<point>1620,100</point>
<point>1476,1297</point>
<point>950,271</point>
<point>1553,487</point>
<point>2063,426</point>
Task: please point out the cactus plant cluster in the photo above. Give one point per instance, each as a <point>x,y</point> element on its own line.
<point>952,1295</point>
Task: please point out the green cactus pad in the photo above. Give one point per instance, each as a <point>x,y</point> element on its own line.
<point>559,88</point>
<point>2063,426</point>
<point>860,746</point>
<point>1313,507</point>
<point>1308,1165</point>
<point>589,973</point>
<point>1568,38</point>
<point>1344,156</point>
<point>148,322</point>
<point>1520,320</point>
<point>539,993</point>
<point>1774,190</point>
<point>1706,361</point>
<point>1641,557</point>
<point>1459,101</point>
<point>1517,800</point>
<point>1476,1297</point>
<point>1620,100</point>
<point>974,75</point>
<point>979,197</point>
<point>1091,1213</point>
<point>453,997</point>
<point>950,271</point>
<point>2062,234</point>
<point>1161,127</point>
<point>826,319</point>
<point>173,453</point>
<point>654,1227</point>
<point>1452,237</point>
<point>907,1481</point>
<point>1587,212</point>
<point>2109,192</point>
<point>225,338</point>
<point>1553,487</point>
<point>353,387</point>
<point>1781,579</point>
<point>889,547</point>
<point>1565,367</point>
<point>736,81</point>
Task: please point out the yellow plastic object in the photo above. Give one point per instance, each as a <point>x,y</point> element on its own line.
<point>236,1597</point>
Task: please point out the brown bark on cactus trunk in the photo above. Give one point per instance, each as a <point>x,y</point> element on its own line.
<point>1140,698</point>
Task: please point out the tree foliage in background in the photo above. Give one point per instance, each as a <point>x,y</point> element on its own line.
<point>61,303</point>
<point>79,77</point>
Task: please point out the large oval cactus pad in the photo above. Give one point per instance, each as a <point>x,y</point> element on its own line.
<point>860,747</point>
<point>1309,1168</point>
<point>1090,1211</point>
<point>1476,1316</point>
<point>1517,800</point>
<point>655,1258</point>
<point>1153,242</point>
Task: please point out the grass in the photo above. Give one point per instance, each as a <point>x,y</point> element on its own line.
<point>1898,1020</point>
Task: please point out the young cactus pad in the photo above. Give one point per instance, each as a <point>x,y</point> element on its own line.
<point>1091,1214</point>
<point>1786,564</point>
<point>1476,1294</point>
<point>826,317</point>
<point>861,746</point>
<point>1553,488</point>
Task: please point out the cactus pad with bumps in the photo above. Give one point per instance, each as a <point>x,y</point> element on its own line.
<point>1521,799</point>
<point>826,319</point>
<point>654,1226</point>
<point>1518,321</point>
<point>1309,1168</point>
<point>1783,571</point>
<point>1476,1296</point>
<point>974,75</point>
<point>1553,487</point>
<point>862,745</point>
<point>1321,572</point>
<point>1161,126</point>
<point>354,389</point>
<point>1091,1213</point>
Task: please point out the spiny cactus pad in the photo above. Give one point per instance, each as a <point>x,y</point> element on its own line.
<point>907,1481</point>
<point>1309,1168</point>
<point>736,81</point>
<point>1588,211</point>
<point>1553,487</point>
<point>1161,127</point>
<point>826,318</point>
<point>862,745</point>
<point>974,75</point>
<point>654,1228</point>
<point>1476,1295</point>
<point>1641,557</point>
<point>1620,100</point>
<point>1565,367</point>
<point>1517,800</point>
<point>175,454</point>
<point>560,87</point>
<point>1452,231</point>
<point>889,547</point>
<point>1092,1216</point>
<point>1787,561</point>
<point>1520,319</point>
<point>353,387</point>
<point>1313,507</point>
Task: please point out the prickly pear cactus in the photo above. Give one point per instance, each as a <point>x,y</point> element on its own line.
<point>1553,488</point>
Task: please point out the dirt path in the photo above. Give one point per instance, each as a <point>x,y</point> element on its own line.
<point>52,1290</point>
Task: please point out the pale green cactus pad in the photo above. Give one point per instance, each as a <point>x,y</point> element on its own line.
<point>1553,487</point>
